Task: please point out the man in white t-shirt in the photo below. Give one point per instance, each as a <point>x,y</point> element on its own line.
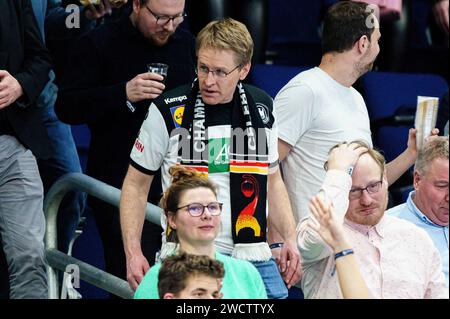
<point>319,108</point>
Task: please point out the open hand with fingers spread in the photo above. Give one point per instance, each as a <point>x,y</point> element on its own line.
<point>328,227</point>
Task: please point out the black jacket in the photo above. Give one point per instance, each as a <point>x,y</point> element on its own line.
<point>24,56</point>
<point>93,90</point>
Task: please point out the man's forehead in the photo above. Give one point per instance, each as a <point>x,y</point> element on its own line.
<point>439,166</point>
<point>166,5</point>
<point>215,57</point>
<point>366,168</point>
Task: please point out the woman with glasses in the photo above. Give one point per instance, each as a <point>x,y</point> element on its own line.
<point>193,215</point>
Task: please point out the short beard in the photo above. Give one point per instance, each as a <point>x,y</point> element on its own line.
<point>158,43</point>
<point>362,69</point>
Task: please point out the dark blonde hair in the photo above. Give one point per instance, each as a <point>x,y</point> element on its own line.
<point>227,34</point>
<point>177,269</point>
<point>183,179</point>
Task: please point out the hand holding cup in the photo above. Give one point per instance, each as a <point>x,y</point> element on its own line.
<point>158,68</point>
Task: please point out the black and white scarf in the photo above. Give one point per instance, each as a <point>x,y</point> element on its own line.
<point>248,167</point>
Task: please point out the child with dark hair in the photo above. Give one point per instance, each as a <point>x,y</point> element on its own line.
<point>186,276</point>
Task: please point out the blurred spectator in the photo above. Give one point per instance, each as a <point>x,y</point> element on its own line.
<point>64,158</point>
<point>67,21</point>
<point>24,68</point>
<point>193,213</point>
<point>108,87</point>
<point>397,259</point>
<point>428,41</point>
<point>440,11</point>
<point>427,204</point>
<point>187,276</point>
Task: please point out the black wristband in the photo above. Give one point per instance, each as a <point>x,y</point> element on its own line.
<point>345,252</point>
<point>276,245</point>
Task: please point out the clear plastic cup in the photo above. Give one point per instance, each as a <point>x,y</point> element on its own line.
<point>158,68</point>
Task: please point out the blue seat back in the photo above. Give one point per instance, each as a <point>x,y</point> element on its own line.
<point>272,78</point>
<point>388,94</point>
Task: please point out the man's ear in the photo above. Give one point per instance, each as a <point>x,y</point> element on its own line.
<point>136,6</point>
<point>416,180</point>
<point>168,296</point>
<point>244,71</point>
<point>363,44</point>
<point>385,180</point>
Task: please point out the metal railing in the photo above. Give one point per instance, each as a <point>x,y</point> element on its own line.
<point>59,260</point>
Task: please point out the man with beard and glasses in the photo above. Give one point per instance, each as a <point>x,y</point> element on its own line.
<point>397,259</point>
<point>319,108</point>
<point>109,88</point>
<point>427,204</point>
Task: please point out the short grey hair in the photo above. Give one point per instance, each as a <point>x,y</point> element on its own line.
<point>437,147</point>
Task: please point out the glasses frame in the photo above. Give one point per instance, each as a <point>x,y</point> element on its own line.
<point>360,191</point>
<point>203,210</point>
<point>214,72</point>
<point>159,17</point>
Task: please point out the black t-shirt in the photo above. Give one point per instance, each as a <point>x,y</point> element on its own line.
<point>220,114</point>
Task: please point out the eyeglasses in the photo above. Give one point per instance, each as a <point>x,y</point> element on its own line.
<point>203,71</point>
<point>373,188</point>
<point>197,209</point>
<point>163,20</point>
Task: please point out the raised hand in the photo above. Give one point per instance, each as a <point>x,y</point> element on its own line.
<point>331,230</point>
<point>345,156</point>
<point>145,86</point>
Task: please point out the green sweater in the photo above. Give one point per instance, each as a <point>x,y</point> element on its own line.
<point>242,281</point>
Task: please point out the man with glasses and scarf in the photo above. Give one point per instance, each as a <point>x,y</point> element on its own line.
<point>397,259</point>
<point>109,88</point>
<point>226,130</point>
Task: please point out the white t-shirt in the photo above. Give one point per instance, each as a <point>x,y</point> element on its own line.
<point>314,113</point>
<point>155,148</point>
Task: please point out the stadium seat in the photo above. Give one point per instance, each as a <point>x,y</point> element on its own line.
<point>253,13</point>
<point>294,31</point>
<point>271,78</point>
<point>391,100</point>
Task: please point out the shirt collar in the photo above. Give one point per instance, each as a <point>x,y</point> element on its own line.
<point>412,207</point>
<point>365,229</point>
